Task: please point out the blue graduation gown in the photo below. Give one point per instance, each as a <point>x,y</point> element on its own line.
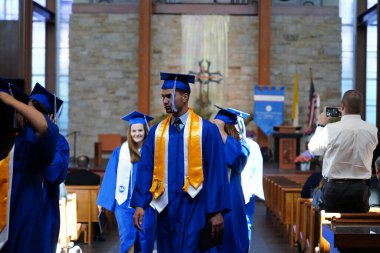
<point>31,158</point>
<point>124,213</point>
<point>235,223</point>
<point>53,176</point>
<point>179,224</point>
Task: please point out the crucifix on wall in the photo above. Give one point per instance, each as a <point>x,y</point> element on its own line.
<point>205,77</point>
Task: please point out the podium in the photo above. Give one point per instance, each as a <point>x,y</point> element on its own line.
<point>286,145</point>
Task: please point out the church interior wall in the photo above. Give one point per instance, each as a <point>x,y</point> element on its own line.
<point>104,65</point>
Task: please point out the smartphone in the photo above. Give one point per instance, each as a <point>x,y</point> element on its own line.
<point>333,112</point>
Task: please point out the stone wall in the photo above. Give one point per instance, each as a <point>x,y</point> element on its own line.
<point>103,75</point>
<point>103,65</point>
<point>299,43</point>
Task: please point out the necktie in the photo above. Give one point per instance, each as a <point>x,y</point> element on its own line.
<point>177,124</point>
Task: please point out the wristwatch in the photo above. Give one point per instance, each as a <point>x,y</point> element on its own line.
<point>320,125</point>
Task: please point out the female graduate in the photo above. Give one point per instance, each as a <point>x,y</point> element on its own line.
<point>235,238</point>
<point>118,183</point>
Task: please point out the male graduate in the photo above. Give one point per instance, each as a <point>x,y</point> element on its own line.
<point>50,105</point>
<point>33,152</point>
<point>182,173</point>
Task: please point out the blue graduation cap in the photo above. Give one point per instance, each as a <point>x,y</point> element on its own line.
<point>241,114</point>
<point>9,88</point>
<point>136,117</point>
<point>9,114</point>
<point>229,115</point>
<point>46,98</point>
<point>176,81</point>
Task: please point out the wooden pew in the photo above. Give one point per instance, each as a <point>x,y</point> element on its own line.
<point>298,232</point>
<point>281,194</point>
<point>353,218</point>
<point>68,221</point>
<point>312,240</point>
<point>87,210</point>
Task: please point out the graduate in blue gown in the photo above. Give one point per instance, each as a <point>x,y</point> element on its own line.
<point>33,153</point>
<point>182,173</point>
<point>236,153</point>
<point>48,104</point>
<point>54,175</point>
<point>118,183</point>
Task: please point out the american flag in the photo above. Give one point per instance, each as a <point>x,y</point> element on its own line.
<point>312,109</point>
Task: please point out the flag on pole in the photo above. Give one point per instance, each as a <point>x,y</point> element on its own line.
<point>295,109</point>
<point>312,109</point>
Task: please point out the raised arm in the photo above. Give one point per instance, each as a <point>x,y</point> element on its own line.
<point>34,117</point>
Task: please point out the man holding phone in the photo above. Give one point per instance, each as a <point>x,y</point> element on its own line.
<point>347,148</point>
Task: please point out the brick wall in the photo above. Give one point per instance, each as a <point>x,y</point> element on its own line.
<point>104,55</point>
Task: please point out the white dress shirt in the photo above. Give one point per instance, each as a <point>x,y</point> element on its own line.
<point>347,146</point>
<point>183,119</point>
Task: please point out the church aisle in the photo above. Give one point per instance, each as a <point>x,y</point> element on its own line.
<point>266,238</point>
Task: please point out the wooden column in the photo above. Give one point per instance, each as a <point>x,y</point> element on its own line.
<point>361,53</point>
<point>25,65</point>
<point>264,53</point>
<point>51,50</point>
<point>264,41</point>
<point>144,56</point>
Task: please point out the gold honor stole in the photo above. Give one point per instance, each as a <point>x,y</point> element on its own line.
<point>5,179</point>
<point>192,148</point>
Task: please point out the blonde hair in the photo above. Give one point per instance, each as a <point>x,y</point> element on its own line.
<point>133,146</point>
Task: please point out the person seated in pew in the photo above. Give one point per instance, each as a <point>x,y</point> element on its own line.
<point>347,146</point>
<point>311,184</point>
<point>82,175</point>
<point>374,199</point>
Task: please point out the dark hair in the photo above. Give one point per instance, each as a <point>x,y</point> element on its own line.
<point>182,92</point>
<point>352,101</point>
<point>40,107</point>
<point>133,148</point>
<point>232,131</point>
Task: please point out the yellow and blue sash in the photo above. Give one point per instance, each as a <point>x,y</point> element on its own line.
<point>192,149</point>
<point>6,166</point>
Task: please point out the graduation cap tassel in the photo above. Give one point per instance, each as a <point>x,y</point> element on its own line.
<point>173,95</point>
<point>146,122</point>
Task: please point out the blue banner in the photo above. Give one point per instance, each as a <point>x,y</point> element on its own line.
<point>268,107</point>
